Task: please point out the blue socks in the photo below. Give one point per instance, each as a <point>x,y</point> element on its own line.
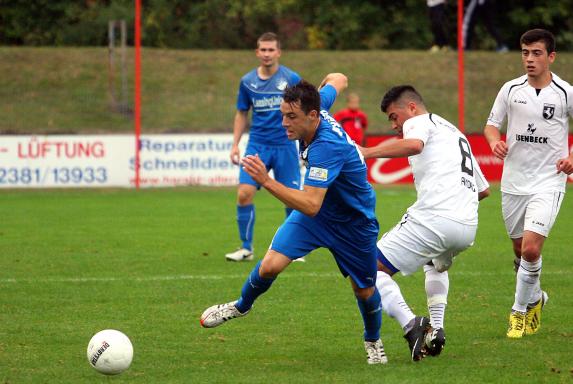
<point>254,287</point>
<point>246,222</point>
<point>371,310</point>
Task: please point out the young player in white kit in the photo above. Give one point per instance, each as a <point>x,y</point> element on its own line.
<point>537,106</point>
<point>439,225</point>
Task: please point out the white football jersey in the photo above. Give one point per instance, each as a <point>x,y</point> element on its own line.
<point>446,174</point>
<point>537,130</point>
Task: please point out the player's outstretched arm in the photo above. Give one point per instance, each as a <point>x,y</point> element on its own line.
<point>308,201</point>
<point>338,80</point>
<point>394,148</point>
<point>240,125</point>
<point>493,137</point>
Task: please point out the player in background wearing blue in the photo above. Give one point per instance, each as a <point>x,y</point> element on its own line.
<point>261,90</point>
<point>335,210</point>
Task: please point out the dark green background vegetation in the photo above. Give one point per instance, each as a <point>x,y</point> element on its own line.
<point>235,24</point>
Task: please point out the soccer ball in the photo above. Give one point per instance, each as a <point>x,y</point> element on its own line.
<point>110,352</point>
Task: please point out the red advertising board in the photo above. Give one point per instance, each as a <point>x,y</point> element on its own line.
<point>388,171</point>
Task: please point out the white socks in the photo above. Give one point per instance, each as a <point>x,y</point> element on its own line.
<point>527,287</point>
<point>392,301</point>
<point>437,286</point>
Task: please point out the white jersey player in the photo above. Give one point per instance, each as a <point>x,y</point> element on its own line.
<point>537,107</point>
<point>439,225</point>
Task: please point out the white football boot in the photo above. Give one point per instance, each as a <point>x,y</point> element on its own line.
<point>220,313</point>
<point>375,352</point>
<point>241,254</point>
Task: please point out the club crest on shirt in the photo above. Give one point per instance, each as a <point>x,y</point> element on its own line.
<point>319,174</point>
<point>548,111</point>
<point>282,84</point>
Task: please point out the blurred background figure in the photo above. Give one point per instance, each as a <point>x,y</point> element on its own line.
<point>437,13</point>
<point>484,9</point>
<point>352,119</point>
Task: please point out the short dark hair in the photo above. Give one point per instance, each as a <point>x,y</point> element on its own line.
<point>538,34</point>
<point>398,93</point>
<point>269,36</point>
<point>305,93</point>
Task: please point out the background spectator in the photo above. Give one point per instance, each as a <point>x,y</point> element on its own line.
<point>352,119</point>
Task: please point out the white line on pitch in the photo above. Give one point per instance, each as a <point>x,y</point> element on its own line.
<point>294,274</point>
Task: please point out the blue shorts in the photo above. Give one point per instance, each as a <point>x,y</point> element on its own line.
<point>353,244</point>
<point>282,159</point>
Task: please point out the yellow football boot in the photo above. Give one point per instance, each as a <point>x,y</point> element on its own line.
<point>516,328</point>
<point>533,315</point>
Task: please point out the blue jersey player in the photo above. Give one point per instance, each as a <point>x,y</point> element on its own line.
<point>261,90</point>
<point>334,210</point>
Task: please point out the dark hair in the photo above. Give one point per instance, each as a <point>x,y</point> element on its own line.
<point>269,36</point>
<point>535,35</point>
<point>398,93</point>
<point>305,93</point>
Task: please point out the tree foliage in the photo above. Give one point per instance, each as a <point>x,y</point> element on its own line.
<point>235,24</point>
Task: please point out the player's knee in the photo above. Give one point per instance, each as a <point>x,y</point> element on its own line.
<point>364,293</point>
<point>245,196</point>
<point>530,252</point>
<point>268,270</point>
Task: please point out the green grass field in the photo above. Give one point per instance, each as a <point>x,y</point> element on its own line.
<point>149,262</point>
<point>65,90</point>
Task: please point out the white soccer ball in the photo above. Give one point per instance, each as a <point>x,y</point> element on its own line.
<point>110,352</point>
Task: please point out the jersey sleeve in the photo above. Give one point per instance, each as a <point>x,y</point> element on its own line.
<point>324,165</point>
<point>416,129</point>
<point>481,181</point>
<point>243,99</point>
<point>327,97</point>
<point>294,79</point>
<point>499,110</point>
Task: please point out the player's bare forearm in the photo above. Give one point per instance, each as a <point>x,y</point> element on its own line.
<point>493,137</point>
<point>394,148</point>
<point>307,201</point>
<point>240,125</point>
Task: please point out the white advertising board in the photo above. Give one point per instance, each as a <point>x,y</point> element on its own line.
<point>109,160</point>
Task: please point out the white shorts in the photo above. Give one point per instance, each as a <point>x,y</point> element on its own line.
<point>535,213</point>
<point>411,244</point>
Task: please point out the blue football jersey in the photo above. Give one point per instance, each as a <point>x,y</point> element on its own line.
<point>333,161</point>
<point>265,98</point>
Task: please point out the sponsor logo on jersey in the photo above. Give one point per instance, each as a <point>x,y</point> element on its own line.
<point>548,111</point>
<point>268,102</point>
<point>519,101</point>
<point>531,128</point>
<point>531,139</point>
<point>319,174</point>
